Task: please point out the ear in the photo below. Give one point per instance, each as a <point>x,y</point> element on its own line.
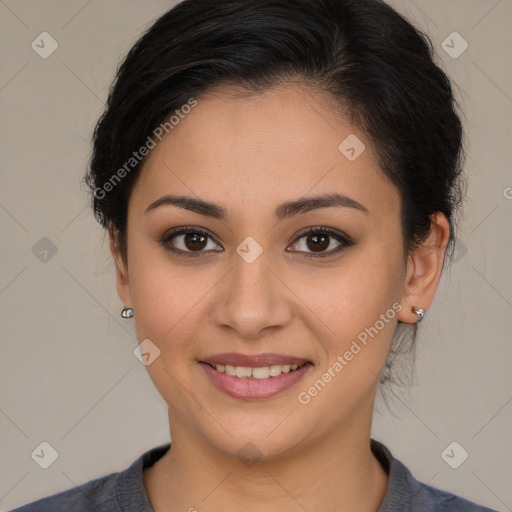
<point>122,281</point>
<point>424,265</point>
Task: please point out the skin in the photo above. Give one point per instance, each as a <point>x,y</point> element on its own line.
<point>249,154</point>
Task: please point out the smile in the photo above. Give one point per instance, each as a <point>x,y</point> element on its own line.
<point>262,372</point>
<point>259,382</point>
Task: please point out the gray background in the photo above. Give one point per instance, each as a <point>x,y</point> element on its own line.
<point>68,375</point>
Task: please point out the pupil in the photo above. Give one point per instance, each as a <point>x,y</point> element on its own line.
<point>322,245</point>
<point>194,238</point>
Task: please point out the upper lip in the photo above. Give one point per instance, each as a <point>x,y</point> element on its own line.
<point>253,361</point>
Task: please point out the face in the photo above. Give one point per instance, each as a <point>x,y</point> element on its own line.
<point>254,283</point>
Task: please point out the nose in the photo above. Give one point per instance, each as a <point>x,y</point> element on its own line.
<point>252,299</point>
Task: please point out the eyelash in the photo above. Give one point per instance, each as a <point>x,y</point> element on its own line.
<point>343,239</point>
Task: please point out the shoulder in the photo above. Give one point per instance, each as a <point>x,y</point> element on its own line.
<point>98,494</point>
<point>405,493</point>
<point>438,500</point>
<point>115,492</point>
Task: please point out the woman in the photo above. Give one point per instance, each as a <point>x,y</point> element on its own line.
<point>279,180</point>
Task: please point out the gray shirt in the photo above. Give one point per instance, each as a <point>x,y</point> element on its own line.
<point>124,491</point>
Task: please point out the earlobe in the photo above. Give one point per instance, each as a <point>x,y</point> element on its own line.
<point>122,281</point>
<point>424,266</point>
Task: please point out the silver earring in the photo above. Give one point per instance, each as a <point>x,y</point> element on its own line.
<point>127,312</point>
<point>420,312</point>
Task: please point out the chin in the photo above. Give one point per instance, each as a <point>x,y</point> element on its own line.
<point>250,441</point>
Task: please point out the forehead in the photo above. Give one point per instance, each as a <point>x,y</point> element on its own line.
<point>251,151</point>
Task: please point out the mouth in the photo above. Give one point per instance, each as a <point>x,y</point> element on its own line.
<point>254,377</point>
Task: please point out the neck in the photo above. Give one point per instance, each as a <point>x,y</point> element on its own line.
<point>337,473</point>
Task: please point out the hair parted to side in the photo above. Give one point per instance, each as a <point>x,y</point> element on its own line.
<point>374,64</point>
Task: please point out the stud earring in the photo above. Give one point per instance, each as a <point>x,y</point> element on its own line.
<point>127,312</point>
<point>420,312</point>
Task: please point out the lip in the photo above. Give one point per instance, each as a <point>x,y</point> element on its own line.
<point>254,361</point>
<point>251,388</point>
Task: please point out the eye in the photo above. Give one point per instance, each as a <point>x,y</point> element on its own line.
<point>319,239</point>
<point>189,241</point>
<point>195,241</point>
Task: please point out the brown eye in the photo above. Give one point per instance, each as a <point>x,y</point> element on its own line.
<point>195,241</point>
<point>318,242</point>
<point>189,241</point>
<point>315,242</point>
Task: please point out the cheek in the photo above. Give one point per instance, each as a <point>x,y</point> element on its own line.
<point>355,316</point>
<point>357,301</point>
<point>166,307</point>
<point>165,296</point>
<point>167,304</point>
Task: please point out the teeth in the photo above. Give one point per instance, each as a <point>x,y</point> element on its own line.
<point>230,370</point>
<point>275,370</point>
<point>243,371</point>
<point>262,372</point>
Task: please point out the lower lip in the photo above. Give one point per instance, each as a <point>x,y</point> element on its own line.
<point>252,388</point>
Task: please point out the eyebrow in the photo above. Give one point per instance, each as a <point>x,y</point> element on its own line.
<point>283,211</point>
